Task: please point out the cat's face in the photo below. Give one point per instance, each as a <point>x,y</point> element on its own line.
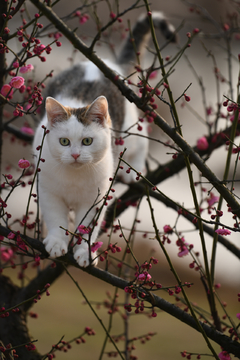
<point>78,136</point>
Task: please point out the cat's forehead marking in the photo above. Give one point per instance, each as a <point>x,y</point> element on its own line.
<point>80,114</point>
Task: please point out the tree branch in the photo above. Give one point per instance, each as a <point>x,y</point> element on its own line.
<point>227,343</point>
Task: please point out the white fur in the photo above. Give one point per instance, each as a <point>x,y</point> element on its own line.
<point>136,146</point>
<point>68,184</point>
<point>92,72</point>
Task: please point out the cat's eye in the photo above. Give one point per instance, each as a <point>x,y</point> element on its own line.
<point>64,141</point>
<point>87,141</point>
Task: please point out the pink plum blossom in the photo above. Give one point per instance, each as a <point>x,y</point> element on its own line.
<point>212,200</point>
<point>167,229</point>
<point>187,98</point>
<point>95,246</point>
<point>103,224</point>
<point>6,253</point>
<point>26,68</point>
<point>83,229</point>
<point>183,250</point>
<point>39,49</point>
<point>202,143</point>
<point>224,355</point>
<point>223,232</point>
<point>83,19</point>
<point>238,316</point>
<point>16,64</point>
<point>21,244</point>
<point>23,164</point>
<point>27,107</point>
<point>145,276</point>
<point>153,74</point>
<point>16,82</point>
<point>6,89</point>
<point>27,130</point>
<point>11,235</point>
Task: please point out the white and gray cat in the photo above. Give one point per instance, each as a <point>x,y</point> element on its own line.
<point>81,108</point>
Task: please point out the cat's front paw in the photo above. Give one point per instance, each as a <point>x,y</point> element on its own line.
<point>55,246</point>
<point>81,255</point>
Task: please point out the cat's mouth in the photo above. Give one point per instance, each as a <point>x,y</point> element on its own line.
<point>76,164</point>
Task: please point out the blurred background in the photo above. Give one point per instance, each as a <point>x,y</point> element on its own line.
<point>64,312</point>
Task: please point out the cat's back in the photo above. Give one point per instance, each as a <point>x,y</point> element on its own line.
<point>83,83</point>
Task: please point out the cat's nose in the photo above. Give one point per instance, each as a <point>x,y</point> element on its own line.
<point>75,156</point>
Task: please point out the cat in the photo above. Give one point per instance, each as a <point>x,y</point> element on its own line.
<point>81,108</point>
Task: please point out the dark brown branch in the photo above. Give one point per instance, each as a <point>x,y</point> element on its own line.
<point>13,329</point>
<point>3,10</point>
<point>48,275</point>
<point>224,341</point>
<point>17,7</point>
<point>137,190</point>
<point>11,129</point>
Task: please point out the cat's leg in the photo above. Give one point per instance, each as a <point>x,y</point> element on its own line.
<point>82,252</point>
<point>55,214</point>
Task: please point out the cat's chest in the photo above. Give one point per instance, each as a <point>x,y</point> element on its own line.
<point>75,187</point>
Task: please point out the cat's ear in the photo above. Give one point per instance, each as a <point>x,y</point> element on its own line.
<point>55,111</point>
<point>98,111</point>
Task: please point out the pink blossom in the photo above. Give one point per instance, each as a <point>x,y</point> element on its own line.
<point>6,253</point>
<point>167,229</point>
<point>21,244</point>
<point>95,246</point>
<point>57,35</point>
<point>224,355</point>
<point>119,141</point>
<point>11,235</point>
<point>23,164</point>
<point>233,117</point>
<point>83,229</point>
<point>6,89</point>
<point>144,276</point>
<point>231,107</point>
<point>27,130</point>
<point>83,19</point>
<point>202,143</point>
<point>16,64</point>
<point>39,49</point>
<point>103,224</point>
<point>238,316</point>
<point>17,82</point>
<point>187,98</point>
<point>223,232</point>
<point>27,107</point>
<point>213,199</point>
<point>183,250</point>
<point>153,75</point>
<point>112,15</point>
<point>27,68</point>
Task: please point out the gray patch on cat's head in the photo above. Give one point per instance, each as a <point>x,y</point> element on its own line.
<point>70,84</point>
<point>80,114</point>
